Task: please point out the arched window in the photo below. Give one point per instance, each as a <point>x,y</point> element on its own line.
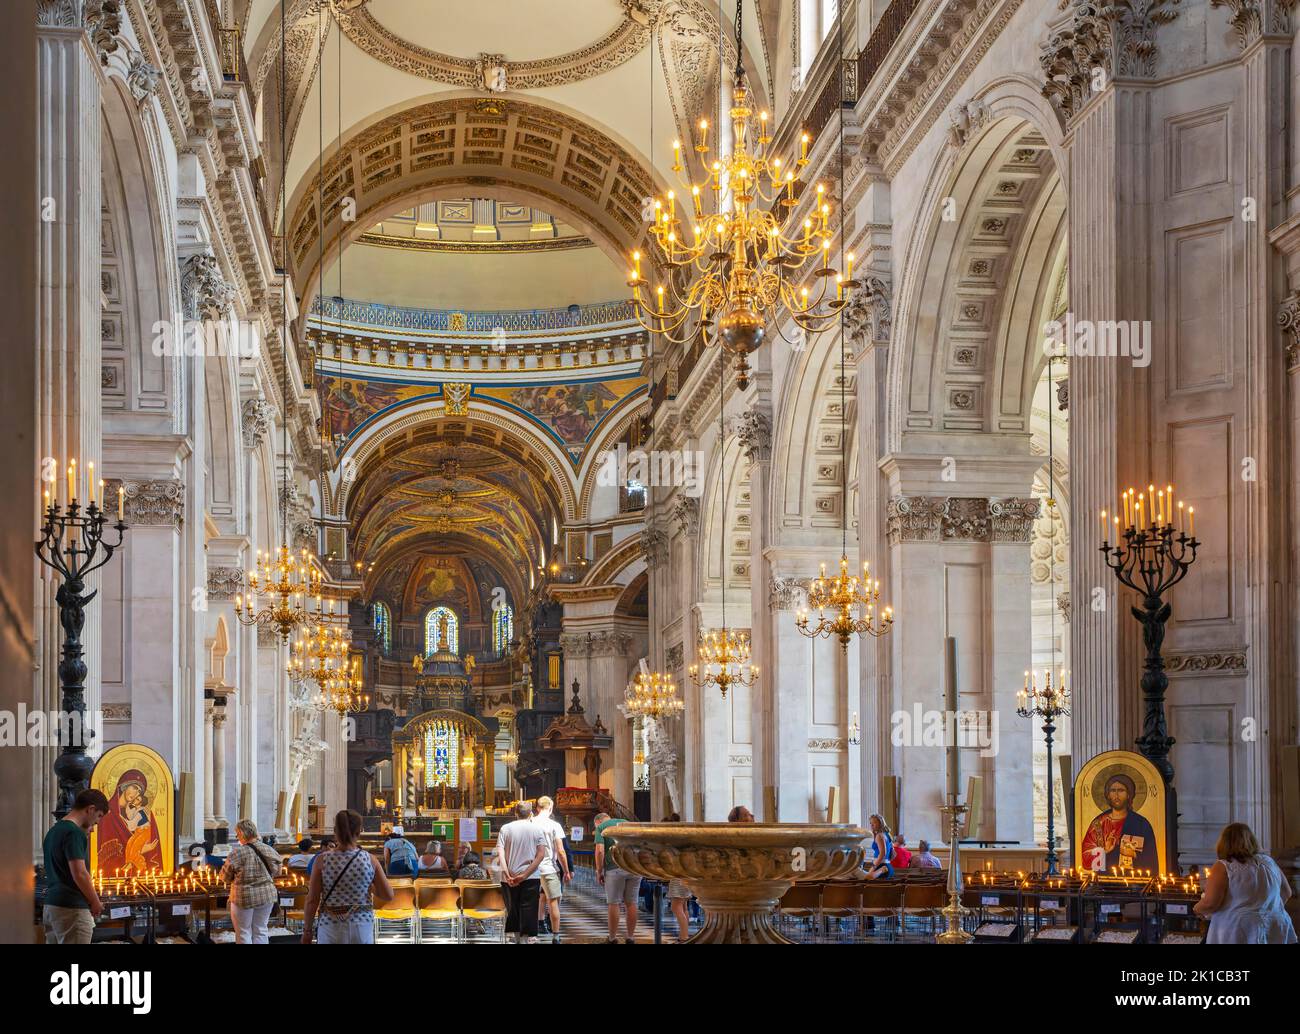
<point>383,626</point>
<point>432,620</point>
<point>503,627</point>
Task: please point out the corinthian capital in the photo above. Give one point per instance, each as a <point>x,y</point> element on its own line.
<point>867,316</point>
<point>686,511</point>
<point>754,429</point>
<point>1251,19</point>
<point>204,291</point>
<point>1288,318</point>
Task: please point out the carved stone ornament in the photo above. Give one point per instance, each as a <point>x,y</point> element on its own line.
<point>754,429</point>
<point>654,543</point>
<point>1226,662</point>
<point>1063,394</point>
<point>205,293</point>
<point>966,120</point>
<point>960,518</point>
<point>255,420</point>
<point>1113,39</point>
<point>913,518</point>
<point>785,593</point>
<point>267,636</point>
<point>1063,603</point>
<point>867,316</point>
<point>673,657</point>
<point>1288,318</point>
<point>141,77</point>
<point>1251,19</point>
<point>224,583</point>
<point>965,518</point>
<point>1012,519</point>
<point>606,643</point>
<point>686,511</point>
<point>154,503</point>
<point>456,397</point>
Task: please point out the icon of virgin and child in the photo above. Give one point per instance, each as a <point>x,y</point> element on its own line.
<point>128,834</point>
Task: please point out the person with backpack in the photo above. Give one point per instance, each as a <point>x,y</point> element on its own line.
<point>251,869</point>
<point>400,856</point>
<point>345,887</point>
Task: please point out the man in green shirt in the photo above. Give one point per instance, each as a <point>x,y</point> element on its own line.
<point>621,887</point>
<point>71,904</point>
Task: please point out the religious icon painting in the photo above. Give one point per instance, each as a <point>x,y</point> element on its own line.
<point>138,834</point>
<point>1120,815</point>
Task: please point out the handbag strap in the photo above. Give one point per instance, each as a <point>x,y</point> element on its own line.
<point>262,858</point>
<point>342,872</point>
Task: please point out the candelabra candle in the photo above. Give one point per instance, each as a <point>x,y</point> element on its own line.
<point>1049,703</point>
<point>73,544</point>
<point>1150,553</point>
<point>723,662</point>
<point>845,605</point>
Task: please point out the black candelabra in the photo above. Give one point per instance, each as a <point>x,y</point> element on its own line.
<point>1049,703</point>
<point>72,543</point>
<point>1153,550</point>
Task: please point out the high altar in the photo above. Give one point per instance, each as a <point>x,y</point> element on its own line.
<point>443,754</point>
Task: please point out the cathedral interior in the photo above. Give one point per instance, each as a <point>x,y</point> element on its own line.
<point>793,429</point>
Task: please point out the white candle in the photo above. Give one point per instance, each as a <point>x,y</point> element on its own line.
<point>950,704</point>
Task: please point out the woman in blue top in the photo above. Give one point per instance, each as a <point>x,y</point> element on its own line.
<point>882,849</point>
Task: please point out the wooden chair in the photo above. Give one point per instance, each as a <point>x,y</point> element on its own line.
<point>924,899</point>
<point>396,922</point>
<point>484,903</point>
<point>438,902</point>
<point>800,905</point>
<point>840,902</point>
<point>883,901</point>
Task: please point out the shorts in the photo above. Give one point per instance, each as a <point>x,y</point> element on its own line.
<point>621,887</point>
<point>678,889</point>
<point>67,925</point>
<point>552,886</point>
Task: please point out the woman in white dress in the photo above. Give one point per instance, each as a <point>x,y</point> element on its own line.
<point>1245,893</point>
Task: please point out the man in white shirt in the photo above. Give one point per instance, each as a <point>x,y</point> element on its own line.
<point>521,846</point>
<point>554,870</point>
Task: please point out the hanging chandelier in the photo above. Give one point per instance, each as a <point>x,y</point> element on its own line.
<point>845,604</point>
<point>851,601</point>
<point>278,586</point>
<point>723,662</point>
<point>731,248</point>
<point>653,694</point>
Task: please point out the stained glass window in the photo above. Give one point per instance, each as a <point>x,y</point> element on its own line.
<point>431,623</point>
<point>383,626</point>
<point>441,755</point>
<point>503,628</point>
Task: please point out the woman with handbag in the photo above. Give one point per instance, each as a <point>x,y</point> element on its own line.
<point>344,885</point>
<point>251,869</point>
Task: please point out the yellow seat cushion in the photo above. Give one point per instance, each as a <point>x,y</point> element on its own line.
<point>394,913</point>
<point>439,913</point>
<point>484,913</point>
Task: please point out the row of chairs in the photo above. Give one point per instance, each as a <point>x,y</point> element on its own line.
<point>840,910</point>
<point>420,906</point>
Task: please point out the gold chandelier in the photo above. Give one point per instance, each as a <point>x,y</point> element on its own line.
<point>653,694</point>
<point>731,251</point>
<point>851,601</point>
<point>278,587</point>
<point>723,662</point>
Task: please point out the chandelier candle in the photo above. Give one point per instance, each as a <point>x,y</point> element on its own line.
<point>1151,552</point>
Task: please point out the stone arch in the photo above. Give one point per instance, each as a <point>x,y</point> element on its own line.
<point>611,431</point>
<point>733,557</point>
<point>139,279</point>
<point>966,354</point>
<point>500,147</point>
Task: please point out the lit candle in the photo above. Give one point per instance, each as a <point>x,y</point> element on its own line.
<point>1103,525</point>
<point>1180,515</point>
<point>90,481</point>
<point>1191,522</point>
<point>101,493</point>
<point>704,134</point>
<point>121,492</point>
<point>72,481</point>
<point>804,140</point>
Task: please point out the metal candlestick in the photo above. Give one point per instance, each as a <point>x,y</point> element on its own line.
<point>954,912</point>
<point>72,543</point>
<point>1153,559</point>
<point>1049,704</point>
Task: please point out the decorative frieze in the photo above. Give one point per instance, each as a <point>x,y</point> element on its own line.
<point>157,503</point>
<point>255,420</point>
<point>960,518</point>
<point>686,511</point>
<point>754,429</point>
<point>115,712</point>
<point>832,744</point>
<point>205,293</point>
<point>605,643</point>
<point>224,583</point>
<point>740,759</point>
<point>1227,662</point>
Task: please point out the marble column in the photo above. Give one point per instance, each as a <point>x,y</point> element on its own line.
<point>209,757</point>
<point>686,567</point>
<point>218,726</point>
<point>70,38</point>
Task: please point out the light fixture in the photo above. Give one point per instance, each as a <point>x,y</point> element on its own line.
<point>653,694</point>
<point>845,603</point>
<point>729,247</point>
<point>278,586</point>
<point>724,662</point>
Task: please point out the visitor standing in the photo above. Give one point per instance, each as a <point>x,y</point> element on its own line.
<point>882,849</point>
<point>345,886</point>
<point>679,897</point>
<point>1245,893</point>
<point>251,868</point>
<point>71,904</point>
<point>554,870</point>
<point>621,887</point>
<point>521,848</point>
